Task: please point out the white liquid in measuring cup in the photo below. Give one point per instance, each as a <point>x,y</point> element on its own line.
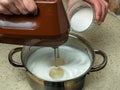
<point>76,63</point>
<point>82,19</point>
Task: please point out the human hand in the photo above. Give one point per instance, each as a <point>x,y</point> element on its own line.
<point>100,7</point>
<point>10,7</point>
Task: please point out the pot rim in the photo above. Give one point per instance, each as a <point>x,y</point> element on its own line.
<point>87,71</point>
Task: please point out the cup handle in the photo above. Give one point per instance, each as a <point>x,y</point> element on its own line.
<point>101,65</point>
<point>10,57</point>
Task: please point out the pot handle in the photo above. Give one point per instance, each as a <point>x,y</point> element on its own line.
<point>101,65</point>
<point>10,57</point>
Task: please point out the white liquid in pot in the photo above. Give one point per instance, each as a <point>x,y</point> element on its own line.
<point>76,63</point>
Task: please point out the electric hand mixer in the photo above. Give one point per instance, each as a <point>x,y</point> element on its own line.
<point>47,26</point>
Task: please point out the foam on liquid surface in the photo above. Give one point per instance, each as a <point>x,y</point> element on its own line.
<point>76,63</point>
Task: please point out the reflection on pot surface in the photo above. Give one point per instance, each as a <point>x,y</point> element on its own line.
<point>76,60</point>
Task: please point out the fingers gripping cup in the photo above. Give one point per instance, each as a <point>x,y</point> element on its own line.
<point>80,15</point>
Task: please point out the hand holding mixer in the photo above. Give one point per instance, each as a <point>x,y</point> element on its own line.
<point>47,26</point>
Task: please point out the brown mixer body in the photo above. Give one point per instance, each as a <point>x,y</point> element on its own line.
<point>47,26</point>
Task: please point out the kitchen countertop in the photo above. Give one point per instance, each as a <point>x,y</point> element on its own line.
<point>105,37</point>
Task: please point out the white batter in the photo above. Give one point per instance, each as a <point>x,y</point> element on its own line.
<point>77,63</point>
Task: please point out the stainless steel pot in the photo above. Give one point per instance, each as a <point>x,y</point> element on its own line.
<point>74,41</point>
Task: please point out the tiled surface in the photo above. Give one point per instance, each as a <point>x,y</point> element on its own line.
<point>105,37</point>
